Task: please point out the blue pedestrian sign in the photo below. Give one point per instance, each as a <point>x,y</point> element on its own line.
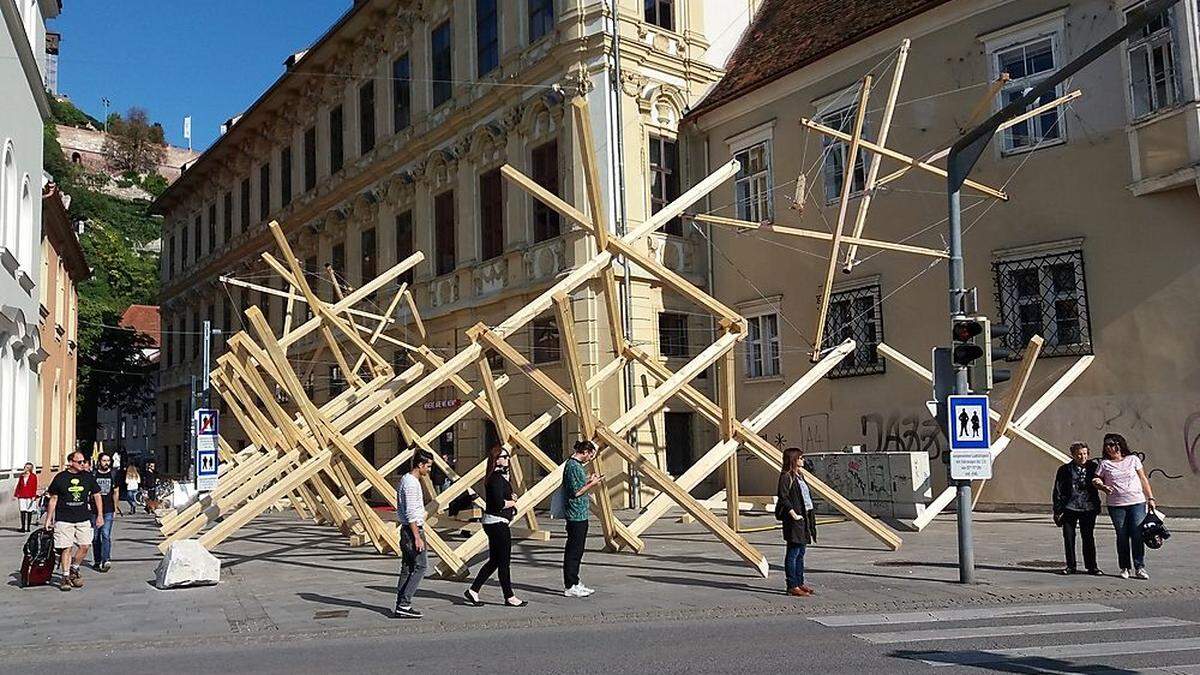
<point>967,420</point>
<point>206,424</point>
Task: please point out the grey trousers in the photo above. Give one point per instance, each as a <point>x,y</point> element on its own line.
<point>413,564</point>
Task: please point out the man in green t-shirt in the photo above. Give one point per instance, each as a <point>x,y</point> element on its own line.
<point>576,483</point>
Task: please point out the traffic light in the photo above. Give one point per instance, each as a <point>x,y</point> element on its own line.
<point>977,343</point>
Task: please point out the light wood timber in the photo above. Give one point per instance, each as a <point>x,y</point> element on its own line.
<point>823,236</point>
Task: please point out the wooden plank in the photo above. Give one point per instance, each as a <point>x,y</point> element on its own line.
<point>901,157</point>
<point>649,472</point>
<point>416,315</point>
<point>725,376</point>
<point>843,206</point>
<point>383,323</point>
<point>885,126</point>
<point>823,236</point>
<point>1012,400</point>
<point>591,173</point>
<point>674,280</point>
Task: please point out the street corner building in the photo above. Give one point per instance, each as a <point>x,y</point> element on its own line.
<point>385,139</point>
<point>25,193</point>
<point>1080,230</point>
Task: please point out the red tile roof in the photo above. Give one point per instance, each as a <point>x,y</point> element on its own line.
<point>144,319</point>
<point>787,35</point>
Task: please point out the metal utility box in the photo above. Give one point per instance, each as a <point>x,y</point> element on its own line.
<point>884,484</point>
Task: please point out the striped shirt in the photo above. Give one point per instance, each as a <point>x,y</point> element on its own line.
<point>410,507</point>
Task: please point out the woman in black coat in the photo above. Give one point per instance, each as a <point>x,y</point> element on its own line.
<point>1076,502</point>
<point>793,506</point>
<point>501,508</point>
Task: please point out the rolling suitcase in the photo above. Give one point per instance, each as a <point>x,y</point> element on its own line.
<point>38,565</point>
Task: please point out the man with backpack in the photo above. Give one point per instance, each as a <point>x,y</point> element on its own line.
<point>71,518</point>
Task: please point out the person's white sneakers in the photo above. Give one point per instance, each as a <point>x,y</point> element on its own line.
<point>1124,574</point>
<point>584,591</point>
<point>1143,574</point>
<point>573,592</point>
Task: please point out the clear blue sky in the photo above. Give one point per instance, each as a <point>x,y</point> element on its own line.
<point>206,58</point>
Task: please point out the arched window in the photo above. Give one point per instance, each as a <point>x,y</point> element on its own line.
<point>23,242</point>
<point>8,194</point>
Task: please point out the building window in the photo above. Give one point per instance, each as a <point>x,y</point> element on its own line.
<point>443,58</point>
<point>245,199</point>
<point>1028,63</point>
<point>491,215</point>
<point>762,345</point>
<point>444,239</point>
<point>196,238</point>
<point>404,243</point>
<point>495,360</point>
<point>541,19</point>
<point>212,227</point>
<point>366,117</point>
<point>546,346</point>
<point>753,183</point>
<point>310,159</point>
<point>337,149</point>
<point>227,220</point>
<point>401,361</point>
<point>661,13</point>
<point>337,382</point>
<point>170,349</point>
<point>487,36</point>
<point>178,410</point>
<point>313,271</point>
<point>285,176</point>
<point>855,314</point>
<point>195,336</point>
<point>550,441</point>
<point>544,167</point>
<point>1152,78</point>
<point>673,334</point>
<point>171,258</point>
<point>1045,295</point>
<point>836,151</point>
<point>183,236</point>
<point>226,322</point>
<point>401,93</point>
<point>369,256</point>
<point>664,179</point>
<point>338,262</point>
<point>264,191</point>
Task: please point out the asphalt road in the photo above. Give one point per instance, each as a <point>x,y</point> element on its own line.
<point>1104,636</point>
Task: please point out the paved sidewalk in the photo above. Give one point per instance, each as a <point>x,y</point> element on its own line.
<point>284,577</point>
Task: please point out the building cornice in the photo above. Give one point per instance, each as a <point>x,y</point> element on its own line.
<point>26,57</point>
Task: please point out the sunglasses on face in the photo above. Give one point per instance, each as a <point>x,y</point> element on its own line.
<point>502,457</point>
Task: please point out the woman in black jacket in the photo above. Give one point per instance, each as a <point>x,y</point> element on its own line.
<point>1076,502</point>
<point>793,506</point>
<point>501,508</point>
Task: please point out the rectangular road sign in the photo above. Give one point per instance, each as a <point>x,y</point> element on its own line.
<point>971,465</point>
<point>206,463</point>
<point>967,419</point>
<point>206,422</point>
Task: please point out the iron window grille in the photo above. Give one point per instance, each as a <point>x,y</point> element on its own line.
<point>857,314</point>
<point>1045,295</point>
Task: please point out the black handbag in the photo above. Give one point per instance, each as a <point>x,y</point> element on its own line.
<point>1152,531</point>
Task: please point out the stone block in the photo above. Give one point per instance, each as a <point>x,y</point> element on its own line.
<point>187,563</point>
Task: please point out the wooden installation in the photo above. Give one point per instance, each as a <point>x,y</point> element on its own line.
<point>306,454</point>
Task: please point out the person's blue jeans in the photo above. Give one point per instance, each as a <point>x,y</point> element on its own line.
<point>1126,521</point>
<point>130,498</point>
<point>793,565</point>
<point>102,541</point>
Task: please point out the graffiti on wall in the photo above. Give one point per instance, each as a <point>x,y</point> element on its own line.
<point>899,432</point>
<point>814,433</point>
<point>1191,439</point>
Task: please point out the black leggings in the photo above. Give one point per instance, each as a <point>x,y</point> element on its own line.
<point>499,558</point>
<point>26,520</point>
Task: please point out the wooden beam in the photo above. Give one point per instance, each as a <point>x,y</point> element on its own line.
<point>823,236</point>
<point>885,126</point>
<point>843,205</point>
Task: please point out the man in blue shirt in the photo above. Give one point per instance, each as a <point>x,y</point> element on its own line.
<point>576,483</point>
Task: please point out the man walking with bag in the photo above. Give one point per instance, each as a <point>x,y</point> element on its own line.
<point>410,512</point>
<point>71,518</point>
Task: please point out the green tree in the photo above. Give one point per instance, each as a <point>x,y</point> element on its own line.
<point>133,143</point>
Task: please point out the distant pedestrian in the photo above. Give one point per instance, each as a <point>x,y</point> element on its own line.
<point>1076,502</point>
<point>26,494</point>
<point>576,483</point>
<point>794,507</point>
<point>74,507</point>
<point>1120,476</point>
<point>150,483</point>
<point>501,508</point>
<point>108,480</point>
<point>133,480</point>
<point>410,512</point>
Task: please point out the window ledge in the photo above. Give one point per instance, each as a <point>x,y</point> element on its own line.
<point>1040,145</point>
<point>763,379</point>
<point>1149,119</point>
<point>1185,177</point>
<point>25,281</point>
<point>8,260</point>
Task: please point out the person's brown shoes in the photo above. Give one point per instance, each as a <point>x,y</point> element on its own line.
<point>799,592</point>
<point>76,580</point>
<point>807,588</point>
<point>65,584</point>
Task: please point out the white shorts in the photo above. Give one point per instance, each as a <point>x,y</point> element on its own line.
<point>67,535</point>
<point>26,505</point>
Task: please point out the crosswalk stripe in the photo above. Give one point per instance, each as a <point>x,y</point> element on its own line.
<point>1091,650</point>
<point>932,616</point>
<point>1021,629</point>
<point>1193,669</point>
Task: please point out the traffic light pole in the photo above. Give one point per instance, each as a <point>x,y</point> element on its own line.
<point>963,157</point>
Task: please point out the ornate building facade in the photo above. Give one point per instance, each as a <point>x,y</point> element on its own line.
<point>386,137</point>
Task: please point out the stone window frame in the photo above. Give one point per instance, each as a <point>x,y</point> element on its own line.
<point>1048,26</point>
<point>744,142</point>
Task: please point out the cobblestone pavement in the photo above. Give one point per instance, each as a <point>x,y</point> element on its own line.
<point>287,579</point>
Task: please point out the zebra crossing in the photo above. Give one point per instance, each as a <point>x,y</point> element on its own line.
<point>1040,638</point>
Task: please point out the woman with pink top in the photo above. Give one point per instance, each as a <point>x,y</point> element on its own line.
<point>1121,477</point>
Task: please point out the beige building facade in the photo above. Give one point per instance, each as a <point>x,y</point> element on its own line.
<point>385,139</point>
<point>1094,251</point>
